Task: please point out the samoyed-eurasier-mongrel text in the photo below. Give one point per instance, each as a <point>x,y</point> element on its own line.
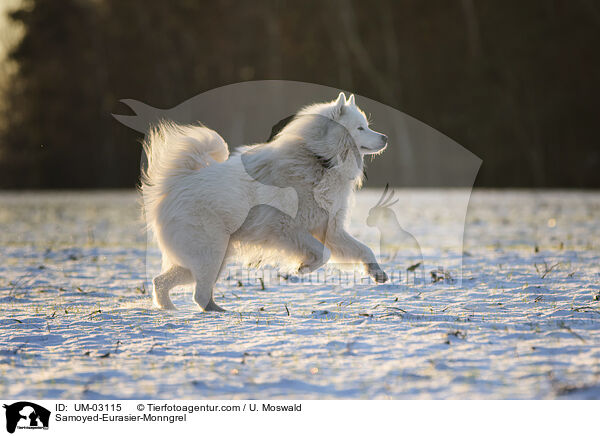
<point>205,206</point>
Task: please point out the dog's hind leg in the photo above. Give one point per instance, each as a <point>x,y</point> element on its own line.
<point>203,292</point>
<point>163,283</point>
<point>212,306</point>
<point>206,270</point>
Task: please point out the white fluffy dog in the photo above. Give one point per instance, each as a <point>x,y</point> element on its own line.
<point>283,202</point>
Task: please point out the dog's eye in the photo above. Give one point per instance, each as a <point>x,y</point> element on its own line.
<point>361,128</point>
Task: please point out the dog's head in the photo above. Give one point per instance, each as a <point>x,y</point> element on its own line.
<point>348,115</point>
<point>336,132</point>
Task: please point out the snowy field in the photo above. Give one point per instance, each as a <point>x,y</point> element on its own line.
<point>77,321</point>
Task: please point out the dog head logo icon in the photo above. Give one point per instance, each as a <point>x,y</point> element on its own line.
<point>26,415</point>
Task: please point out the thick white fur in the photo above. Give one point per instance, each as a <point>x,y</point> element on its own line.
<point>269,203</point>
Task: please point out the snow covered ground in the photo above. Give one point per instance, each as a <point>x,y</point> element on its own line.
<point>76,320</point>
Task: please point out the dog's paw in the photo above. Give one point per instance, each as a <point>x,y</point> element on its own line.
<point>380,277</point>
<point>377,273</point>
<point>213,307</point>
<point>304,269</point>
<point>163,304</point>
<point>308,268</point>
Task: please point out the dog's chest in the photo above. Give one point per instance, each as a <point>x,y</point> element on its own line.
<point>332,192</point>
<point>323,203</point>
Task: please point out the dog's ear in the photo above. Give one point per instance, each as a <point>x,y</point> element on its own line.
<point>339,104</point>
<point>351,101</point>
<point>341,100</point>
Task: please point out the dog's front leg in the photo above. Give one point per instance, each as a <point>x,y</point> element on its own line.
<point>345,248</point>
<point>314,252</point>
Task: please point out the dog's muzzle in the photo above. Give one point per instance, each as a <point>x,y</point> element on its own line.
<point>384,144</point>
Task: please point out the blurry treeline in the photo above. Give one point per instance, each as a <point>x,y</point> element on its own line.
<point>516,82</point>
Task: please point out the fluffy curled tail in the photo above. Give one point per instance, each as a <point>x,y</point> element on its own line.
<point>174,151</point>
